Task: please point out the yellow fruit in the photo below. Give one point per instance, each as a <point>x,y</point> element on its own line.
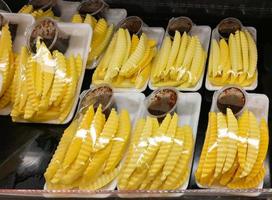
<point>120,142</point>
<point>253,147</point>
<point>239,51</point>
<point>222,139</point>
<point>173,53</point>
<point>117,57</point>
<point>108,132</point>
<point>232,140</point>
<point>26,9</point>
<point>165,148</point>
<point>245,51</point>
<point>253,55</point>
<point>130,66</point>
<point>210,158</point>
<point>233,54</point>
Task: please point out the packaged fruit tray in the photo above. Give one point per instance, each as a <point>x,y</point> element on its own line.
<point>75,45</point>
<point>216,36</point>
<point>202,33</point>
<point>123,103</point>
<point>69,8</point>
<point>256,108</point>
<point>22,21</point>
<point>187,116</point>
<point>152,33</point>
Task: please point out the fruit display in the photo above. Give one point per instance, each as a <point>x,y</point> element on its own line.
<point>89,151</point>
<point>36,13</point>
<point>233,61</point>
<point>234,151</point>
<point>7,67</point>
<point>127,61</point>
<point>159,155</point>
<point>179,63</point>
<point>44,85</point>
<point>102,33</point>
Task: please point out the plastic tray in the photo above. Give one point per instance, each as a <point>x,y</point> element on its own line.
<point>69,8</point>
<point>204,34</point>
<point>188,110</point>
<point>78,44</point>
<point>215,35</point>
<point>259,105</point>
<point>155,33</point>
<point>131,102</point>
<point>23,21</point>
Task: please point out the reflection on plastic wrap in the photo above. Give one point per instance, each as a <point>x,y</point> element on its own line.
<point>158,156</point>
<point>24,168</point>
<point>7,59</point>
<point>44,85</point>
<point>90,151</point>
<point>234,152</point>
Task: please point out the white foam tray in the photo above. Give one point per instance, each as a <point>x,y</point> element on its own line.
<point>23,21</point>
<point>78,44</point>
<point>215,35</point>
<point>69,8</point>
<point>188,110</point>
<point>131,102</point>
<point>155,33</point>
<point>204,34</point>
<point>259,105</point>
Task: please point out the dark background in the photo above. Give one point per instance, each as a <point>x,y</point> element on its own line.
<point>26,149</point>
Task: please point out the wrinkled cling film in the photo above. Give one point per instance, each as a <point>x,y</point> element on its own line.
<point>127,60</point>
<point>180,61</point>
<point>45,85</point>
<point>233,60</point>
<point>158,156</point>
<point>90,151</point>
<point>234,151</point>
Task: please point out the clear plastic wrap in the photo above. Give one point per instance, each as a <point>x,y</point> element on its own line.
<point>235,146</point>
<point>93,12</point>
<point>233,55</point>
<point>160,153</point>
<point>181,59</point>
<point>158,156</point>
<point>7,62</point>
<point>91,148</point>
<point>45,82</point>
<point>39,9</point>
<point>127,60</point>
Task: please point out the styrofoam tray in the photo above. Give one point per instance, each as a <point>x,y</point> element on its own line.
<point>188,110</point>
<point>69,8</point>
<point>204,34</point>
<point>131,102</point>
<point>259,105</point>
<point>215,35</point>
<point>78,44</point>
<point>23,21</point>
<point>155,33</point>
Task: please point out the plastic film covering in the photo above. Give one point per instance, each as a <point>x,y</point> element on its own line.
<point>92,12</point>
<point>39,9</point>
<point>181,59</point>
<point>7,66</point>
<point>158,156</point>
<point>233,56</point>
<point>234,152</point>
<point>90,151</point>
<point>127,60</point>
<point>44,84</point>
